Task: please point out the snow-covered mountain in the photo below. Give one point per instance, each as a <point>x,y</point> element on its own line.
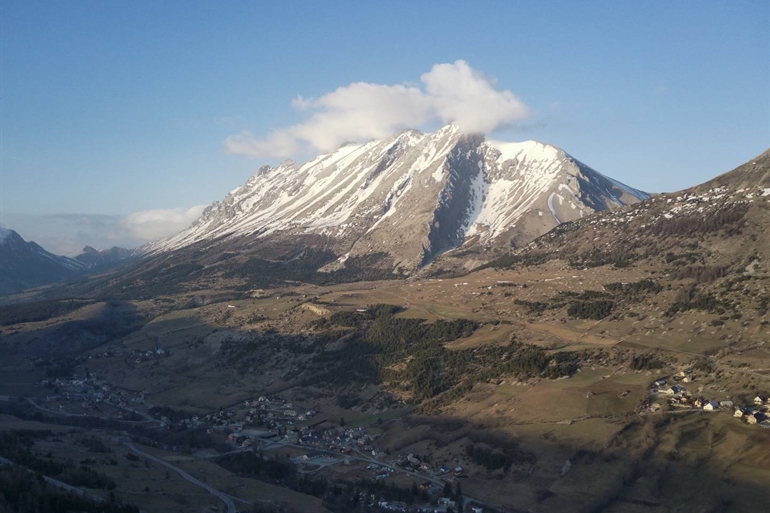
<point>412,196</point>
<point>25,264</point>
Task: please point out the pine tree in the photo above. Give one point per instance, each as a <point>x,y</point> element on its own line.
<point>458,491</point>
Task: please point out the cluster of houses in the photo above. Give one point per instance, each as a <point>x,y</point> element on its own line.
<point>280,408</point>
<point>441,505</point>
<point>276,414</point>
<point>140,355</point>
<point>268,412</point>
<point>106,354</point>
<point>678,396</point>
<point>341,440</point>
<point>413,462</point>
<point>756,413</point>
<point>444,504</point>
<point>87,392</point>
<point>380,472</point>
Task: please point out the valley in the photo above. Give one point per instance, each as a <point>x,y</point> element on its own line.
<point>205,362</point>
<point>392,257</point>
<point>619,362</point>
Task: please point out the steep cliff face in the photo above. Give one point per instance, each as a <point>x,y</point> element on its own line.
<point>412,196</point>
<point>459,198</point>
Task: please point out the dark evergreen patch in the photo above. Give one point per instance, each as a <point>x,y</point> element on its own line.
<point>410,355</point>
<point>595,310</point>
<point>38,311</point>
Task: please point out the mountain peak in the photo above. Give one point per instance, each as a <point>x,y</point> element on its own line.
<point>26,264</point>
<point>6,234</point>
<point>411,196</point>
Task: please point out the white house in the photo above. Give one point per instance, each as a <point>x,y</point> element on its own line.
<point>674,390</point>
<point>711,406</point>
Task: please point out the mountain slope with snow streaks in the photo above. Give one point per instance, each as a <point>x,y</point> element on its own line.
<point>411,196</point>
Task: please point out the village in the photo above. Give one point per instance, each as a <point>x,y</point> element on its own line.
<point>266,424</point>
<point>269,423</point>
<point>322,445</point>
<point>678,398</point>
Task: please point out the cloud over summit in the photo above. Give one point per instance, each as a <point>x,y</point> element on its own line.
<point>363,111</point>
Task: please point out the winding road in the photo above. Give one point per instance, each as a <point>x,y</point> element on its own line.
<point>57,483</point>
<point>187,477</point>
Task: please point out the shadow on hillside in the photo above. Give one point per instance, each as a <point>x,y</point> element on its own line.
<point>678,463</point>
<point>688,463</point>
<point>107,322</point>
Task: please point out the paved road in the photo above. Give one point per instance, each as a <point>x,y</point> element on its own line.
<point>48,410</point>
<point>187,477</point>
<point>58,484</point>
<point>144,415</point>
<point>104,417</point>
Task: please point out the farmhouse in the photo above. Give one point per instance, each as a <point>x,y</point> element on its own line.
<point>674,390</point>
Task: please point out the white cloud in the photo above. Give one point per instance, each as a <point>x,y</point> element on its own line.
<point>469,98</point>
<point>362,111</point>
<point>278,144</point>
<point>67,234</point>
<point>153,224</point>
<point>300,103</point>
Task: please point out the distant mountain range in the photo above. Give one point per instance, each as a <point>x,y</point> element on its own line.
<point>104,258</point>
<point>408,198</point>
<point>24,265</point>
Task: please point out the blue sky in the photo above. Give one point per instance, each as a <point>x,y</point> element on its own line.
<point>113,110</point>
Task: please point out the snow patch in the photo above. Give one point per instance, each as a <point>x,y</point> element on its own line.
<point>527,150</point>
<point>550,207</point>
<point>478,191</point>
<point>640,195</point>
